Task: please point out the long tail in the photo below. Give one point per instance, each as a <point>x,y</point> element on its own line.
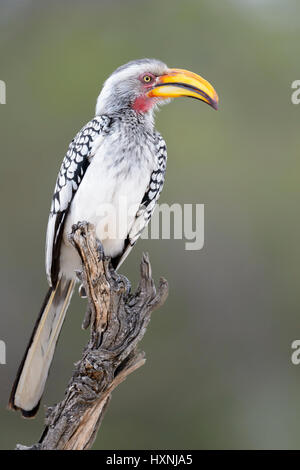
<point>33,371</point>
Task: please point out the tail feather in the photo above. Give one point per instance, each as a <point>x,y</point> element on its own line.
<point>34,368</point>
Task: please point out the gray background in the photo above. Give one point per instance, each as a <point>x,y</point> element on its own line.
<point>218,371</point>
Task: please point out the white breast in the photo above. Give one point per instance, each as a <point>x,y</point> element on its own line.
<point>109,197</point>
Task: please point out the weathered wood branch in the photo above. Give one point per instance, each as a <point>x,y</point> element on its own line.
<point>118,320</point>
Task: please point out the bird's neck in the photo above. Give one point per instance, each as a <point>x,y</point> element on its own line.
<point>134,119</point>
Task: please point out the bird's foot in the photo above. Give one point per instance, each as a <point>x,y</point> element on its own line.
<point>82,291</point>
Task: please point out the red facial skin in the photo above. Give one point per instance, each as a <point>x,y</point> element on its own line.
<point>143,103</point>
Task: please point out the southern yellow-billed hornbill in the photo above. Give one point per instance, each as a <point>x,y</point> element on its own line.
<point>117,156</point>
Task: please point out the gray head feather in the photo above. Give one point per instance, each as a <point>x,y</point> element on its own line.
<point>123,86</point>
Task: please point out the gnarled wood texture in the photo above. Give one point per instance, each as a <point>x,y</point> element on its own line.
<point>118,320</point>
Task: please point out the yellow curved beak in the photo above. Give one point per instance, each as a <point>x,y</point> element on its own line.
<point>178,82</point>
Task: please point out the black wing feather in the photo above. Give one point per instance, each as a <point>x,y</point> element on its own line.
<point>71,173</point>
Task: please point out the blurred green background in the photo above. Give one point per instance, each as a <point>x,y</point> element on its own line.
<point>218,371</point>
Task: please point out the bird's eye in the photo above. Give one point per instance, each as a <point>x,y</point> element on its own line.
<point>147,78</point>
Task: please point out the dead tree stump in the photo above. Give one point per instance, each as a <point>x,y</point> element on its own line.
<point>118,320</point>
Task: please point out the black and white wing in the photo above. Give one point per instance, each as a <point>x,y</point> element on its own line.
<point>149,200</point>
<point>72,170</point>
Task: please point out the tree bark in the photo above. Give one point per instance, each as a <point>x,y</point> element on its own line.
<point>118,320</point>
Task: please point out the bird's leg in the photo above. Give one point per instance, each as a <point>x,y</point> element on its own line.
<point>87,318</point>
<point>82,291</point>
<point>121,282</point>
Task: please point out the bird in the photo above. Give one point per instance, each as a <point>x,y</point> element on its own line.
<point>118,154</point>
